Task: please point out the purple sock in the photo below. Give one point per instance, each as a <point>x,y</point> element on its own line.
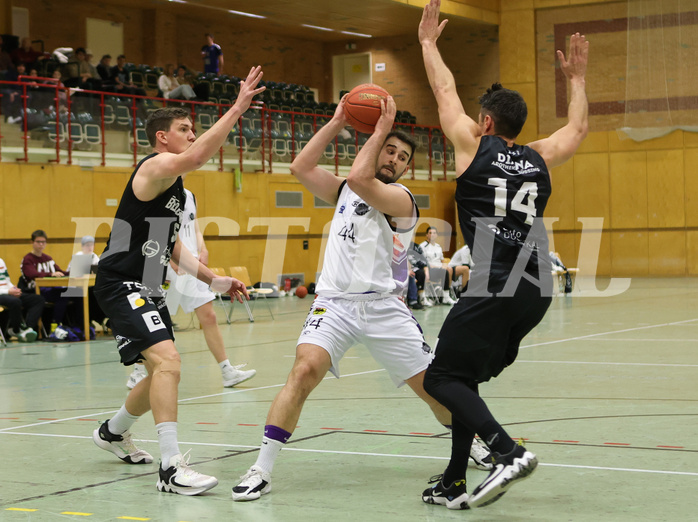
<point>276,433</point>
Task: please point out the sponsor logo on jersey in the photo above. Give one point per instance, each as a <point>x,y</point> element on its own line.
<point>150,248</point>
<point>341,209</point>
<point>135,300</point>
<point>153,321</point>
<point>514,167</point>
<point>361,208</point>
<point>319,311</point>
<point>173,205</point>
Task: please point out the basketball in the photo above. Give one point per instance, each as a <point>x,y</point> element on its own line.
<point>363,106</point>
<point>301,292</point>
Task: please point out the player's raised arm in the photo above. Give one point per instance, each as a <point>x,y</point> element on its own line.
<point>195,156</point>
<point>563,143</point>
<point>321,182</point>
<point>461,129</point>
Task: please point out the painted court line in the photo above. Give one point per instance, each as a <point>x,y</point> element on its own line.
<point>654,365</point>
<point>636,329</point>
<point>55,421</point>
<point>387,455</point>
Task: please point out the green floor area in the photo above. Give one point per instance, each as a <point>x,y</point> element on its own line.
<point>604,392</point>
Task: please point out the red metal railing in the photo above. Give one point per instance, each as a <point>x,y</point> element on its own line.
<point>246,126</point>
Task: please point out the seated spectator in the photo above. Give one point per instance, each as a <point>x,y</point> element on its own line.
<point>459,267</point>
<point>184,77</point>
<point>26,54</point>
<point>14,300</point>
<point>122,78</point>
<point>437,268</point>
<point>12,95</point>
<point>5,59</point>
<point>420,269</point>
<point>171,88</point>
<point>81,74</point>
<point>88,249</point>
<point>37,264</point>
<point>104,71</point>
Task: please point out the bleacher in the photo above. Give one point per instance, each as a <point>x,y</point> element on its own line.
<point>278,125</point>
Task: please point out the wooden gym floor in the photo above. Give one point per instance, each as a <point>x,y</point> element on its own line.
<point>604,392</point>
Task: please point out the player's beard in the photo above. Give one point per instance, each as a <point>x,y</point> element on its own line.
<point>384,177</point>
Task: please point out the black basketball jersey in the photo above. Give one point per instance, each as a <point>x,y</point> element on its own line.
<point>143,235</point>
<point>504,189</point>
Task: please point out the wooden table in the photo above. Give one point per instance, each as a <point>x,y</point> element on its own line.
<point>83,283</point>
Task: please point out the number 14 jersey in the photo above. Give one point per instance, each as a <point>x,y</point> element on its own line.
<point>506,188</point>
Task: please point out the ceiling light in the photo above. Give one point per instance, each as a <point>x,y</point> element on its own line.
<point>241,13</point>
<point>357,34</point>
<point>317,27</point>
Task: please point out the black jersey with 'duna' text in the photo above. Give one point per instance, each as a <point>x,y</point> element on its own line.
<point>143,235</point>
<point>499,196</point>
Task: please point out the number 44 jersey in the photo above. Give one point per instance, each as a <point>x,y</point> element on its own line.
<point>365,256</point>
<point>499,196</point>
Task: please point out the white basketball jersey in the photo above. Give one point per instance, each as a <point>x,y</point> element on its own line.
<point>187,234</point>
<point>364,254</point>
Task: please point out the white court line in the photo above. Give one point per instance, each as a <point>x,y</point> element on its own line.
<point>5,430</point>
<point>610,333</point>
<point>612,363</point>
<point>388,455</point>
<point>647,340</point>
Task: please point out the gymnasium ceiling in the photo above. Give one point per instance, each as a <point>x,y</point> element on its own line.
<point>378,18</point>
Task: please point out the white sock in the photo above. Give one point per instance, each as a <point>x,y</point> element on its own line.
<point>225,364</point>
<point>268,452</point>
<point>167,437</point>
<point>121,422</point>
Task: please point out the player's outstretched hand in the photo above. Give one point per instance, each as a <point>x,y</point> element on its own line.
<point>231,286</point>
<point>339,113</point>
<point>388,112</point>
<point>249,89</point>
<point>430,28</point>
<point>575,66</point>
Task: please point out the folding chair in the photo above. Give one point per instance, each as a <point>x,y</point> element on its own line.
<point>228,310</point>
<point>241,273</point>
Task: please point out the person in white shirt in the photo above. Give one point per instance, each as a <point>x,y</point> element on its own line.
<point>459,267</point>
<point>170,86</point>
<point>365,272</point>
<point>438,270</point>
<point>14,300</point>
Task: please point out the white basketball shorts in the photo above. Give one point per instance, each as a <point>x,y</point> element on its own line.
<point>385,326</point>
<point>186,291</point>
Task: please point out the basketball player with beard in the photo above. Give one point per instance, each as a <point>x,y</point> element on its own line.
<point>365,272</point>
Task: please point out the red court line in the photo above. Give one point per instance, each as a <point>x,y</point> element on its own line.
<point>570,441</point>
<point>672,447</point>
<point>207,423</point>
<point>331,428</point>
<point>617,443</point>
<point>248,424</point>
<point>417,433</point>
<point>9,418</point>
<point>377,431</point>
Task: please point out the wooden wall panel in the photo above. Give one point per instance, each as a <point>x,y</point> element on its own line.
<point>667,253</point>
<point>591,183</point>
<point>629,254</point>
<point>692,253</point>
<point>561,202</point>
<point>665,189</point>
<point>628,189</point>
<point>691,186</point>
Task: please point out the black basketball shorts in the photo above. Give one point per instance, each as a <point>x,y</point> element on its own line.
<point>137,322</point>
<point>481,335</point>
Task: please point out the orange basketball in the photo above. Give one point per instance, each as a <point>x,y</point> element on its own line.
<point>301,292</point>
<point>363,106</point>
